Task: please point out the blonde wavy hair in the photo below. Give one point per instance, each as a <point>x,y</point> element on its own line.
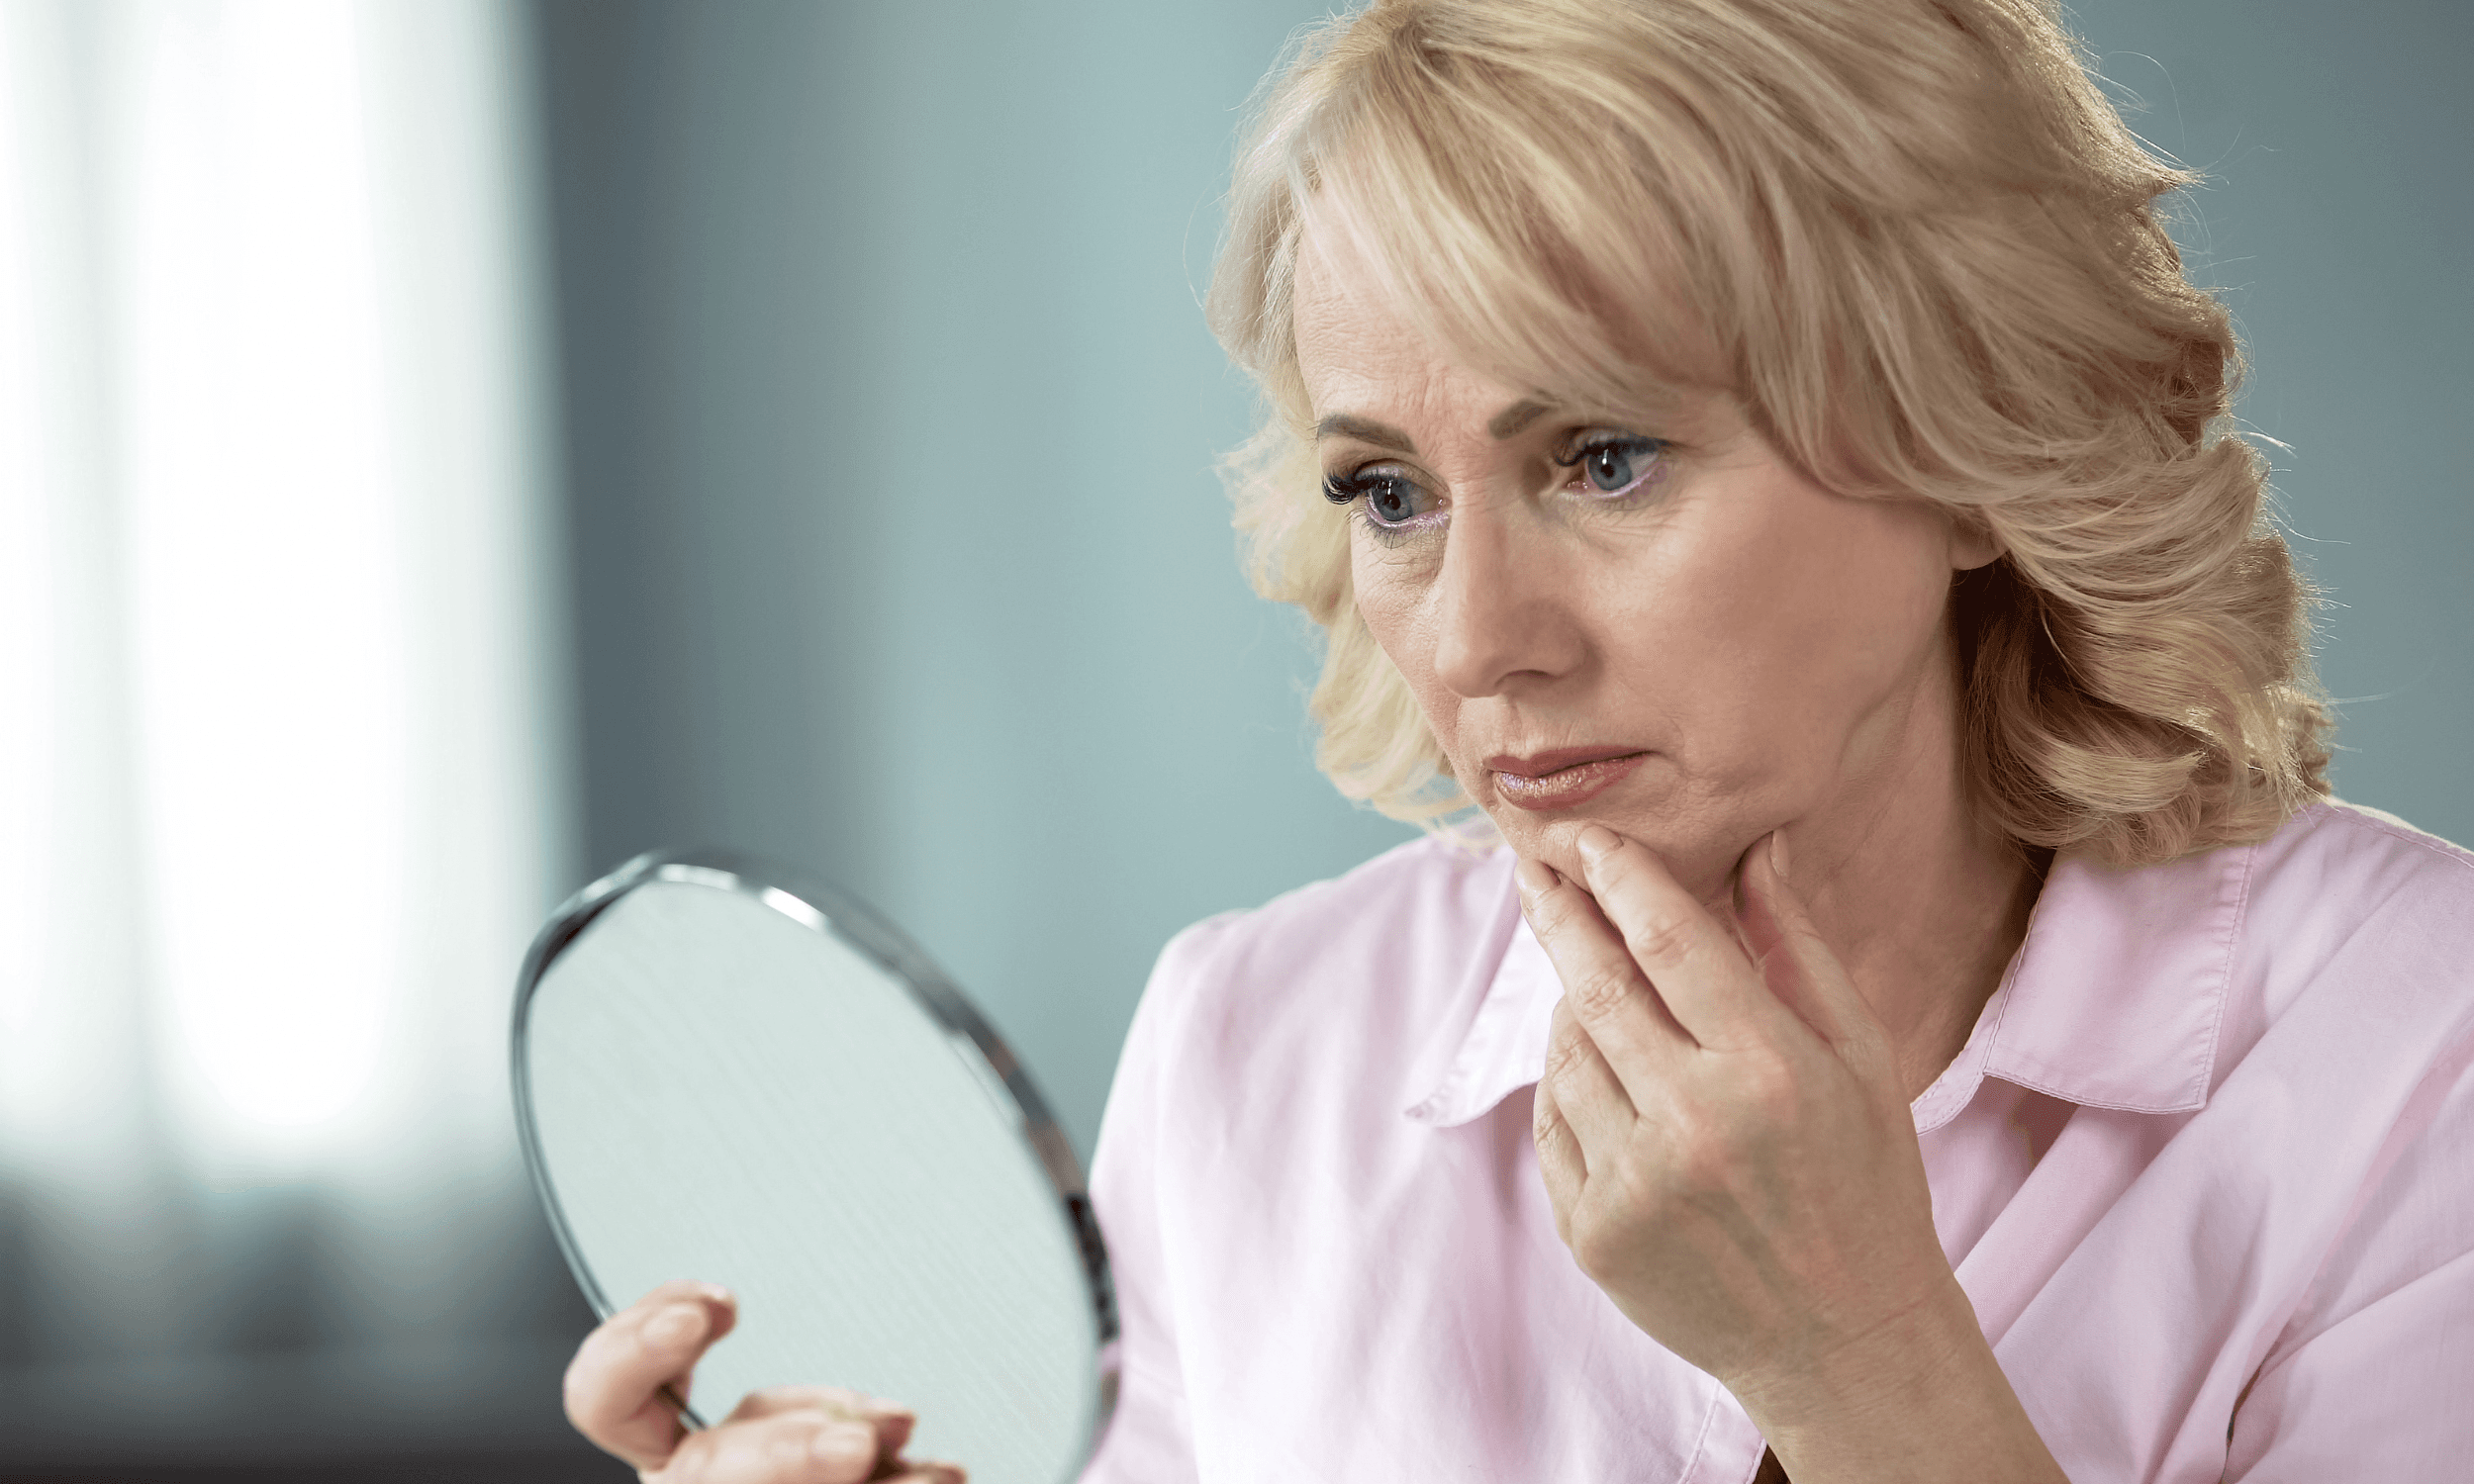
<point>1921,251</point>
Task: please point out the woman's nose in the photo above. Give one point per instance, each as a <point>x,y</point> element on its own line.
<point>1500,607</point>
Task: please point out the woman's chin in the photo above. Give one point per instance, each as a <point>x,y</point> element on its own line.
<point>1704,863</point>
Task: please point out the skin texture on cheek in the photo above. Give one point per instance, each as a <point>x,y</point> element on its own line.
<point>1803,642</point>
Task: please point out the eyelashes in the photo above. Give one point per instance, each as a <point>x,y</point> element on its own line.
<point>1614,471</point>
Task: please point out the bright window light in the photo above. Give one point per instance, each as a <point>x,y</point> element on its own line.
<point>277,766</point>
<point>267,580</point>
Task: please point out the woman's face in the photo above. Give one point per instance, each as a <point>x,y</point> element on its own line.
<point>1660,627</point>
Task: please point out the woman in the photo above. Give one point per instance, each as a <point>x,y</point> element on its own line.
<point>1909,1010</point>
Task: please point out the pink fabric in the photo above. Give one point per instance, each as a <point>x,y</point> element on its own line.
<point>2205,1166</point>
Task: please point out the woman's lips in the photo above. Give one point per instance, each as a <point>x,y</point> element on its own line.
<point>1566,787</point>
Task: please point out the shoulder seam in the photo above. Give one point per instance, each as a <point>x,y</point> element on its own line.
<point>2453,853</point>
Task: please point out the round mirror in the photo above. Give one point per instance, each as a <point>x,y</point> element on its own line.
<point>725,1073</point>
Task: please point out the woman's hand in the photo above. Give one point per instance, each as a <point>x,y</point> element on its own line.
<point>783,1434</point>
<point>1723,1132</point>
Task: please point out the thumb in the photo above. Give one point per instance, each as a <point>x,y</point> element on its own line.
<point>1797,965</point>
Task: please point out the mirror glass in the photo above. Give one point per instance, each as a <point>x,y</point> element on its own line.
<point>723,1073</point>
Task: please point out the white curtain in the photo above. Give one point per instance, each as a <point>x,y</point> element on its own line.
<point>280,738</point>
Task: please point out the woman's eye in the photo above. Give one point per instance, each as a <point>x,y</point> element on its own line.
<point>1609,466</point>
<point>1615,466</point>
<point>1390,499</point>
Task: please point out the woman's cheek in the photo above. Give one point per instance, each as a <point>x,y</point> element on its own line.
<point>1388,612</point>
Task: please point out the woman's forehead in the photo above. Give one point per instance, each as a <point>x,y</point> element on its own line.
<point>1372,375</point>
<point>1373,387</point>
<point>1359,332</point>
<point>1356,341</point>
<point>1338,303</point>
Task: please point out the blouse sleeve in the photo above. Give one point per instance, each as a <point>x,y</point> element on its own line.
<point>2371,1379</point>
<point>1149,1439</point>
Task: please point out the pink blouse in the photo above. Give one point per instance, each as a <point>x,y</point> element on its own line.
<point>2205,1166</point>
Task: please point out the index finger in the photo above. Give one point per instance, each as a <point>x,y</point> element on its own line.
<point>615,1388</point>
<point>1693,961</point>
<point>1630,1033</point>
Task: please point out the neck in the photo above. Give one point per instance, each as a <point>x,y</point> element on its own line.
<point>1922,902</point>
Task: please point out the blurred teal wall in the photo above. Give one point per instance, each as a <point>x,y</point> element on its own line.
<point>892,420</point>
<point>891,414</point>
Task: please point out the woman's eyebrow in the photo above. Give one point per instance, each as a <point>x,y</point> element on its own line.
<point>1366,430</point>
<point>1517,417</point>
<point>1503,425</point>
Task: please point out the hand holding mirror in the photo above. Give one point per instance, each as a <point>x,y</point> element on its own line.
<point>726,1073</point>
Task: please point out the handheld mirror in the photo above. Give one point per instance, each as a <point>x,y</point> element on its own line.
<point>722,1073</point>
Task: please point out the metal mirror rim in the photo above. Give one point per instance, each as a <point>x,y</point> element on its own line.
<point>822,907</point>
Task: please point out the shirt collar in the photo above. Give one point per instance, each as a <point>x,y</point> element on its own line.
<point>1503,1050</point>
<point>2113,1000</point>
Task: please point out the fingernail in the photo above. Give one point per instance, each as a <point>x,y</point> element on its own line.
<point>1597,842</point>
<point>676,1325</point>
<point>1779,852</point>
<point>716,1294</point>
